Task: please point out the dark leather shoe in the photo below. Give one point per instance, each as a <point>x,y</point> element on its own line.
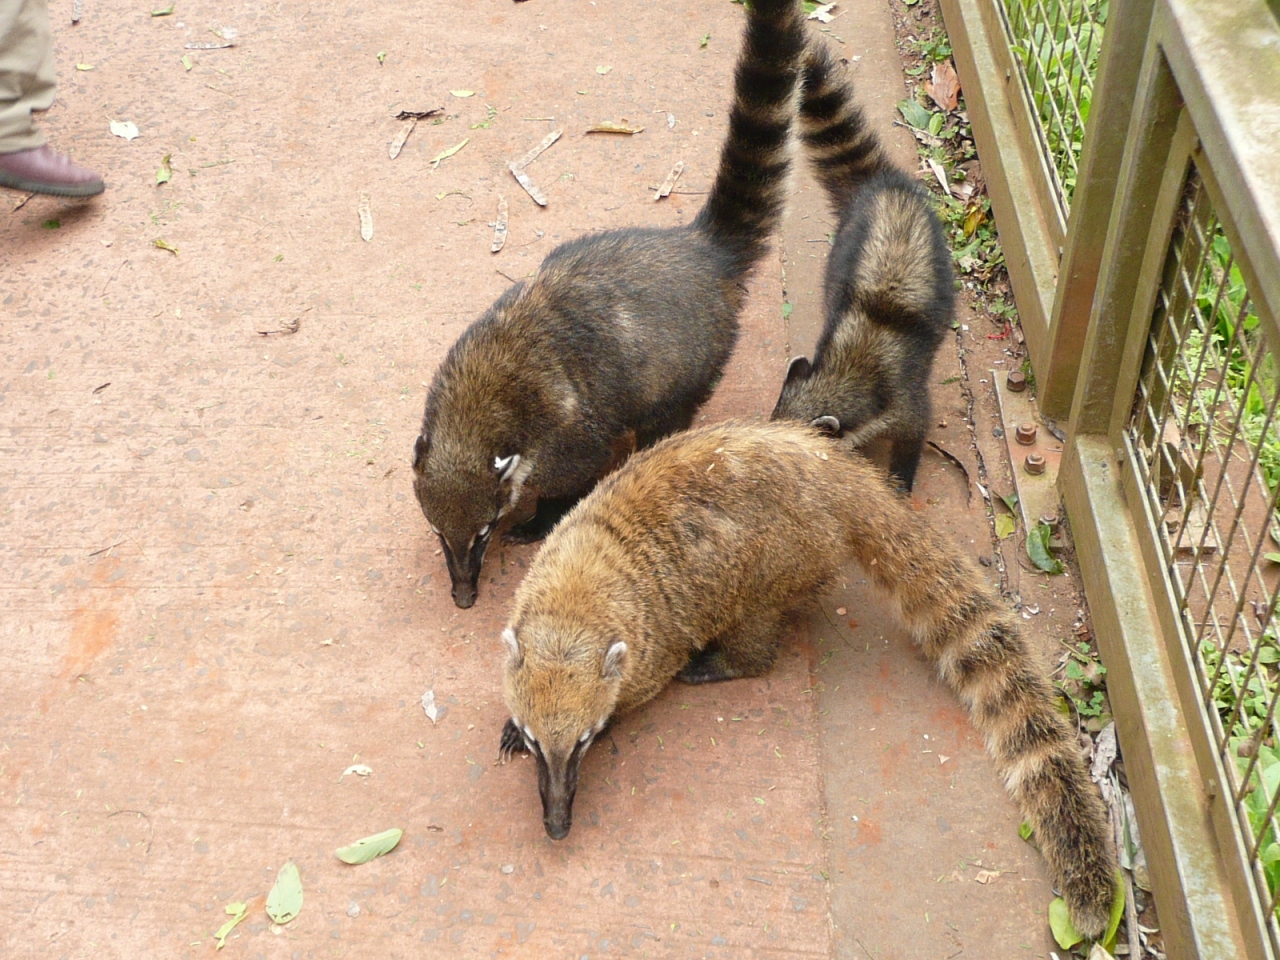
<point>41,170</point>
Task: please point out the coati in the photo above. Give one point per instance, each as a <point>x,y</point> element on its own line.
<point>889,287</point>
<point>624,332</point>
<point>682,565</point>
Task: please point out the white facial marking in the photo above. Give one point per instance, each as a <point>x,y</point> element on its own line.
<point>529,735</point>
<point>434,528</point>
<point>586,736</point>
<point>484,531</point>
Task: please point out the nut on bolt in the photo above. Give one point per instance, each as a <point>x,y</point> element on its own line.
<point>1050,520</point>
<point>1016,381</point>
<point>1034,464</point>
<point>1026,434</point>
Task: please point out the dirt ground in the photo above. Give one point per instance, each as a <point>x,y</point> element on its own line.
<point>220,593</point>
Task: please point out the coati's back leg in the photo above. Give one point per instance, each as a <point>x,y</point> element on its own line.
<point>748,652</point>
<point>544,519</point>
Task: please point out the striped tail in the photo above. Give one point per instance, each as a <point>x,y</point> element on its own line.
<point>747,199</point>
<point>974,641</point>
<point>842,148</point>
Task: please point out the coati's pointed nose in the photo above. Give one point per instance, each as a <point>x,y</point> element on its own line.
<point>464,596</point>
<point>557,831</point>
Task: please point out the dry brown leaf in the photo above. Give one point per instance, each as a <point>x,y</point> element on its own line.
<point>499,238</point>
<point>986,876</point>
<point>943,86</point>
<point>407,128</point>
<point>610,126</point>
<point>665,189</point>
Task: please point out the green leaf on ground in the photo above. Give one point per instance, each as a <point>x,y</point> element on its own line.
<point>367,848</point>
<point>1117,911</point>
<point>237,911</point>
<point>602,69</point>
<point>463,94</point>
<point>285,899</point>
<point>936,120</point>
<point>1024,831</point>
<point>786,309</point>
<point>186,62</point>
<point>163,13</point>
<point>1038,549</point>
<point>1011,501</point>
<point>84,66</point>
<point>165,173</point>
<point>1272,557</point>
<point>1060,923</point>
<point>164,244</point>
<point>446,154</point>
<point>1005,525</point>
<point>914,114</point>
<point>382,56</point>
<point>706,38</point>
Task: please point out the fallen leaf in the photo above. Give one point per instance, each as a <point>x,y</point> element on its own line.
<point>463,94</point>
<point>359,769</point>
<point>418,114</point>
<point>940,175</point>
<point>602,70</point>
<point>1099,952</point>
<point>529,186</point>
<point>1064,930</point>
<point>974,219</point>
<point>84,66</point>
<point>382,56</point>
<point>916,115</point>
<point>368,848</point>
<point>165,245</point>
<point>609,126</point>
<point>1005,525</point>
<point>429,705</point>
<point>823,13</point>
<point>1025,831</point>
<point>125,129</point>
<point>163,13</point>
<point>237,912</point>
<point>1272,557</point>
<point>943,86</point>
<point>706,38</point>
<point>285,899</point>
<point>186,62</point>
<point>165,173</point>
<point>942,758</point>
<point>446,154</point>
<point>1038,549</point>
<point>986,876</point>
<point>366,218</point>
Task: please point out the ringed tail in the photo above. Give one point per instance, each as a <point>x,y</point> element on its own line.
<point>842,147</point>
<point>748,196</point>
<point>975,643</point>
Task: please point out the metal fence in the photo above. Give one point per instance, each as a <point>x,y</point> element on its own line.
<point>1130,149</point>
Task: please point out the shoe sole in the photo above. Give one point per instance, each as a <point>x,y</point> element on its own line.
<point>90,189</point>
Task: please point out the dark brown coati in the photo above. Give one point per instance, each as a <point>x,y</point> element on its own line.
<point>683,563</point>
<point>618,333</point>
<point>889,284</point>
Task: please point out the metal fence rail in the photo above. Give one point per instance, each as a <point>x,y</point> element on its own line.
<point>1139,209</point>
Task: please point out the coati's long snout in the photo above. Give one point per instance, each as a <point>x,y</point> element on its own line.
<point>557,776</point>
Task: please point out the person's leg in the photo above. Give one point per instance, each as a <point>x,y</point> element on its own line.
<point>27,85</point>
<point>26,72</point>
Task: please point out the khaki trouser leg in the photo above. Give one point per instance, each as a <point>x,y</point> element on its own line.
<point>26,71</point>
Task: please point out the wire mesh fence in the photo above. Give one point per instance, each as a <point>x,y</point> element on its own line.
<point>1056,44</point>
<point>1207,446</point>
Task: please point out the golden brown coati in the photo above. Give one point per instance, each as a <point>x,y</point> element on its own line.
<point>889,285</point>
<point>682,565</point>
<point>619,332</point>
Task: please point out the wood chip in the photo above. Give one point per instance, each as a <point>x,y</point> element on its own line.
<point>500,226</point>
<point>366,218</point>
<point>672,177</point>
<point>530,188</point>
<point>393,150</point>
<point>532,155</point>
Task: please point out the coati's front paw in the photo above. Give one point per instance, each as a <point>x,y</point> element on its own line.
<point>706,666</point>
<point>531,531</point>
<point>512,741</point>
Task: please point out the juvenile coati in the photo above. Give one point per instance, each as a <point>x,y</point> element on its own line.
<point>889,283</point>
<point>619,333</point>
<point>682,565</point>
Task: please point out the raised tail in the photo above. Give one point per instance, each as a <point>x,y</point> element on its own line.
<point>748,196</point>
<point>975,643</point>
<point>842,147</point>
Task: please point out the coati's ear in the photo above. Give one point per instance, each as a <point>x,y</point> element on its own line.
<point>513,647</point>
<point>420,448</point>
<point>614,661</point>
<point>828,425</point>
<point>798,369</point>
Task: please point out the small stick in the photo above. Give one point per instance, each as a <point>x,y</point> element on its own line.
<point>968,482</point>
<point>366,218</point>
<point>500,226</point>
<point>667,184</point>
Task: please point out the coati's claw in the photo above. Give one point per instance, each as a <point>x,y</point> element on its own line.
<point>512,742</point>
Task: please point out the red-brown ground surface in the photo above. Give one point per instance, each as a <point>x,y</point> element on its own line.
<point>219,592</point>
